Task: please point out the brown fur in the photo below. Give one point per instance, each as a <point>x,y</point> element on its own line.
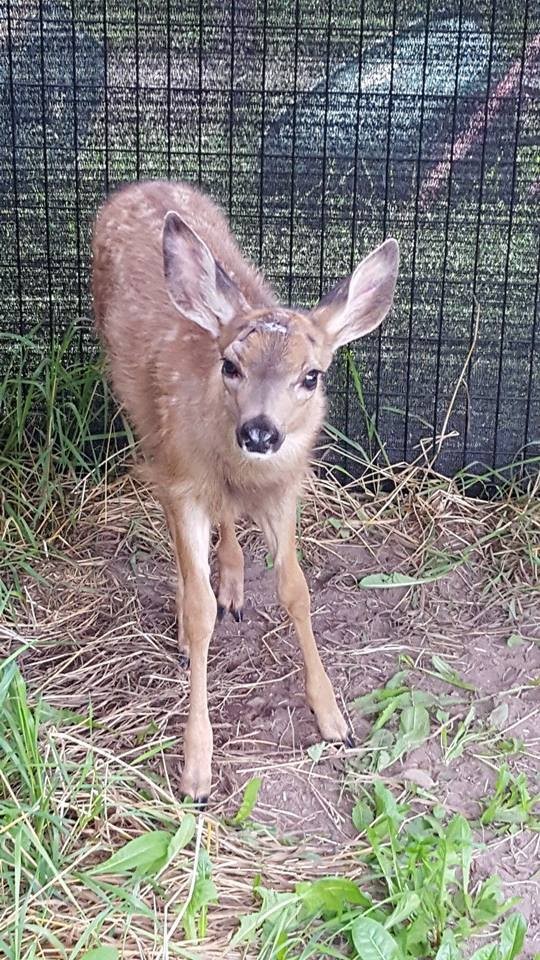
<point>173,296</point>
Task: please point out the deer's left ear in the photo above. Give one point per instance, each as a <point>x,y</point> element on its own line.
<point>358,304</point>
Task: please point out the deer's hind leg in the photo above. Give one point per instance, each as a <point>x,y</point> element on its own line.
<point>231,569</point>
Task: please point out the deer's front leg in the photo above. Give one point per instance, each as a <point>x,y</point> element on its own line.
<point>182,645</point>
<point>279,530</point>
<point>192,539</point>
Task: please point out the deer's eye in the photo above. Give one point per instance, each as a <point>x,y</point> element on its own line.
<point>310,380</point>
<point>229,369</point>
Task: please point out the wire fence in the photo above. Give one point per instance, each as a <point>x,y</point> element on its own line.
<point>321,127</point>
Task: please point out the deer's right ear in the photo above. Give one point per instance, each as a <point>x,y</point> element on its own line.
<point>198,287</point>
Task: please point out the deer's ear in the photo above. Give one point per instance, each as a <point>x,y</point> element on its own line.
<point>198,286</point>
<point>358,304</point>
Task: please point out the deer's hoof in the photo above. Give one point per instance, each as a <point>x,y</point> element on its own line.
<point>237,612</point>
<point>332,724</point>
<point>196,780</point>
<point>200,802</point>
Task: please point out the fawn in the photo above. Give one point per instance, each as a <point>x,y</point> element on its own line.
<point>224,388</point>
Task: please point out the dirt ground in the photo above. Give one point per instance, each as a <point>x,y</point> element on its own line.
<point>102,630</point>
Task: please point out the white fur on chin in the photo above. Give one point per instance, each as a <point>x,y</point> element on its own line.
<point>291,447</point>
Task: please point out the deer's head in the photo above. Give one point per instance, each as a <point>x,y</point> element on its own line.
<point>271,360</point>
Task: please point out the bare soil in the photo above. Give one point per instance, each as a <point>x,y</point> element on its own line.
<point>102,630</point>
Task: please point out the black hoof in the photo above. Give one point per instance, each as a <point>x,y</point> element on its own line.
<point>200,802</point>
<point>184,661</point>
<point>349,740</point>
<point>237,614</point>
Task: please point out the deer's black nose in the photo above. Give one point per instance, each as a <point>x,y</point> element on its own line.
<point>259,435</point>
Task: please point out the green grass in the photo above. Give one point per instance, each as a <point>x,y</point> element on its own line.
<point>419,902</point>
<point>58,427</point>
<point>512,805</point>
<point>50,805</point>
<point>105,844</point>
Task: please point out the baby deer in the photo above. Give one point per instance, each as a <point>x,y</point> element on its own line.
<point>224,387</point>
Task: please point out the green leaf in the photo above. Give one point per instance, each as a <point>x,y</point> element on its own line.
<point>183,836</point>
<point>385,803</point>
<point>374,702</point>
<point>204,893</point>
<point>515,640</point>
<point>194,920</point>
<point>249,926</point>
<point>383,581</point>
<point>101,953</point>
<point>398,680</point>
<point>330,895</point>
<point>460,835</point>
<point>419,933</point>
<point>372,941</point>
<point>275,904</point>
<point>512,802</point>
<point>251,792</point>
<point>509,746</point>
<point>401,700</point>
<point>414,723</point>
<point>408,903</point>
<point>335,522</point>
<point>415,727</point>
<point>316,751</point>
<point>487,902</point>
<point>448,674</point>
<point>448,949</point>
<point>145,854</point>
<point>512,938</point>
<point>489,951</point>
<point>386,580</point>
<point>499,716</point>
<point>362,815</point>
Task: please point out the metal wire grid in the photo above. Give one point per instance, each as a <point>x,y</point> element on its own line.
<point>321,127</point>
